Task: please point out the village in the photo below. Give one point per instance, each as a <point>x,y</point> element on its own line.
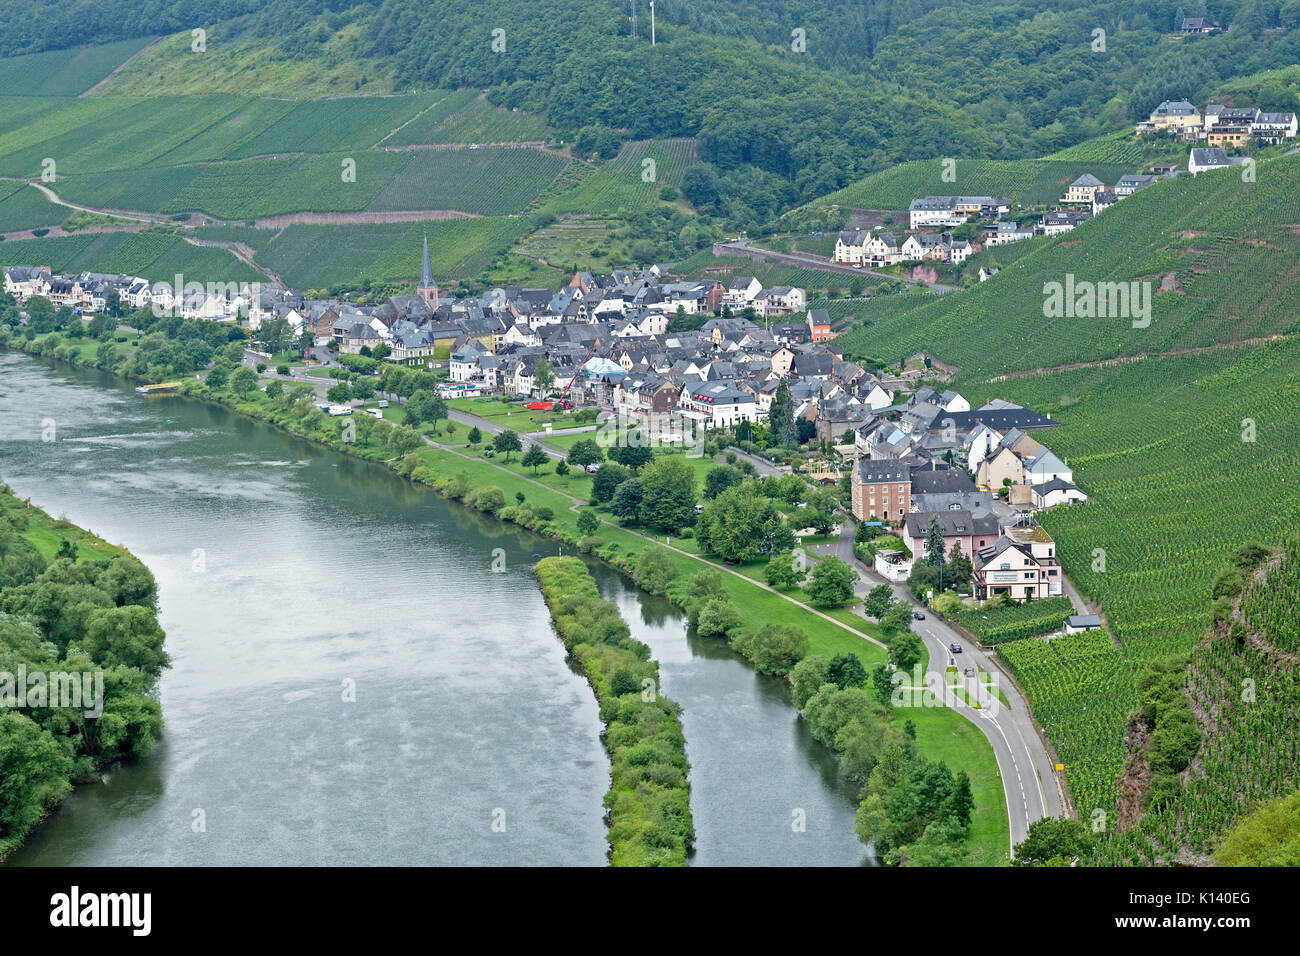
<point>911,457</point>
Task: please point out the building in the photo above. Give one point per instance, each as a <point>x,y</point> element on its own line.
<point>849,246</point>
<point>1082,622</point>
<point>427,289</point>
<point>717,405</point>
<point>1083,189</point>
<point>969,532</point>
<point>1021,564</point>
<point>819,325</point>
<point>1055,492</point>
<point>1175,115</point>
<point>1209,158</point>
<point>1274,128</point>
<point>1128,184</point>
<point>881,490</point>
<point>1198,25</point>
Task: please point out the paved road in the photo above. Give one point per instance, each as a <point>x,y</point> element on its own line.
<point>807,261</point>
<point>1029,782</point>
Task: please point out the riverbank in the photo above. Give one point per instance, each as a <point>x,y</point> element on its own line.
<point>550,508</point>
<point>80,656</point>
<point>649,798</point>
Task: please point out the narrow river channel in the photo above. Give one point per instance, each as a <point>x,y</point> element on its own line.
<point>351,682</point>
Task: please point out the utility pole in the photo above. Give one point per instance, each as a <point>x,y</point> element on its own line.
<point>652,22</point>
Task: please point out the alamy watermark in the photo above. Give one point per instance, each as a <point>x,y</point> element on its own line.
<point>77,690</point>
<point>1101,300</point>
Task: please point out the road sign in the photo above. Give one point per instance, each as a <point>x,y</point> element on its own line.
<point>1060,766</point>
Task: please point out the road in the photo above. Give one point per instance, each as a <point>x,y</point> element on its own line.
<point>1029,782</point>
<point>807,261</point>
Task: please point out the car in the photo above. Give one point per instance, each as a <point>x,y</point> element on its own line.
<point>857,265</point>
<point>969,672</point>
<point>919,615</point>
<point>955,647</point>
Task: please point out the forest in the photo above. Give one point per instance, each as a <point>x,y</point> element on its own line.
<point>788,101</point>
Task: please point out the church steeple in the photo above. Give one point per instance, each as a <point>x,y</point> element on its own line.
<point>428,288</point>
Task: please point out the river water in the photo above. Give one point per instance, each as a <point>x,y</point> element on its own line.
<point>352,683</point>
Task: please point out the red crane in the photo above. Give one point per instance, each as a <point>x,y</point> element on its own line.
<point>562,401</point>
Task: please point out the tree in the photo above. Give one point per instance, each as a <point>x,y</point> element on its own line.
<point>718,618</point>
<point>773,648</point>
<point>543,374</point>
<point>960,567</point>
<point>626,503</point>
<point>339,394</point>
<point>35,767</point>
<point>425,407</point>
<point>882,685</point>
<point>606,481</point>
<point>905,650</point>
<point>244,381</point>
<point>534,458</point>
<point>934,543</point>
<point>877,600</point>
<point>654,570</point>
<point>719,479</point>
<point>735,524</point>
<point>632,455</point>
<point>669,499</point>
<point>218,377</point>
<point>846,670</point>
<point>585,452</point>
<point>780,417</point>
<point>1268,836</point>
<point>783,571</point>
<point>831,583</point>
<point>1053,841</point>
<point>475,436</point>
<point>127,635</point>
<point>507,441</point>
<point>561,467</point>
<point>274,389</point>
<point>961,804</point>
<point>588,523</point>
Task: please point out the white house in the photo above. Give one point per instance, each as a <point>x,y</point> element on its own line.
<point>1056,492</point>
<point>1043,466</point>
<point>849,246</point>
<point>1211,157</point>
<point>717,405</point>
<point>879,397</point>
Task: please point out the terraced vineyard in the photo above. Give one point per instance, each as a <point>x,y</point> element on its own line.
<point>1212,236</point>
<point>1029,182</point>
<point>1246,696</point>
<point>1185,459</point>
<point>619,183</point>
<point>1124,149</point>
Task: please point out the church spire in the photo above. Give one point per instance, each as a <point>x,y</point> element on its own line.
<point>428,288</point>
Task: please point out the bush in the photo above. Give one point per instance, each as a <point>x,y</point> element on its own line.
<point>489,498</point>
<point>773,649</point>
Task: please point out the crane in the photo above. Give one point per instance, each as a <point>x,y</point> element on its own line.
<point>562,401</point>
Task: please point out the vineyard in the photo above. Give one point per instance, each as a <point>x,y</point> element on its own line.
<point>1185,459</point>
<point>465,116</point>
<point>1213,237</point>
<point>1029,182</point>
<point>154,256</point>
<point>491,180</point>
<point>22,207</point>
<point>1013,622</point>
<point>1246,696</point>
<point>317,257</point>
<point>620,183</point>
<point>1122,148</point>
<point>64,72</point>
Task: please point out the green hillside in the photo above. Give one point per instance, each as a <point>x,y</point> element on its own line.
<point>65,72</point>
<point>1029,182</point>
<point>154,256</point>
<point>1230,248</point>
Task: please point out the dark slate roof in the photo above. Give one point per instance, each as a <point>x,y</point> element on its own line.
<point>1000,419</point>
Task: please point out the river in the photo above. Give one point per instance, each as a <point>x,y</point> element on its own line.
<point>352,683</point>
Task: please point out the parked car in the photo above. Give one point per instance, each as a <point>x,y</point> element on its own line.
<point>919,615</point>
<point>969,672</point>
<point>955,647</point>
